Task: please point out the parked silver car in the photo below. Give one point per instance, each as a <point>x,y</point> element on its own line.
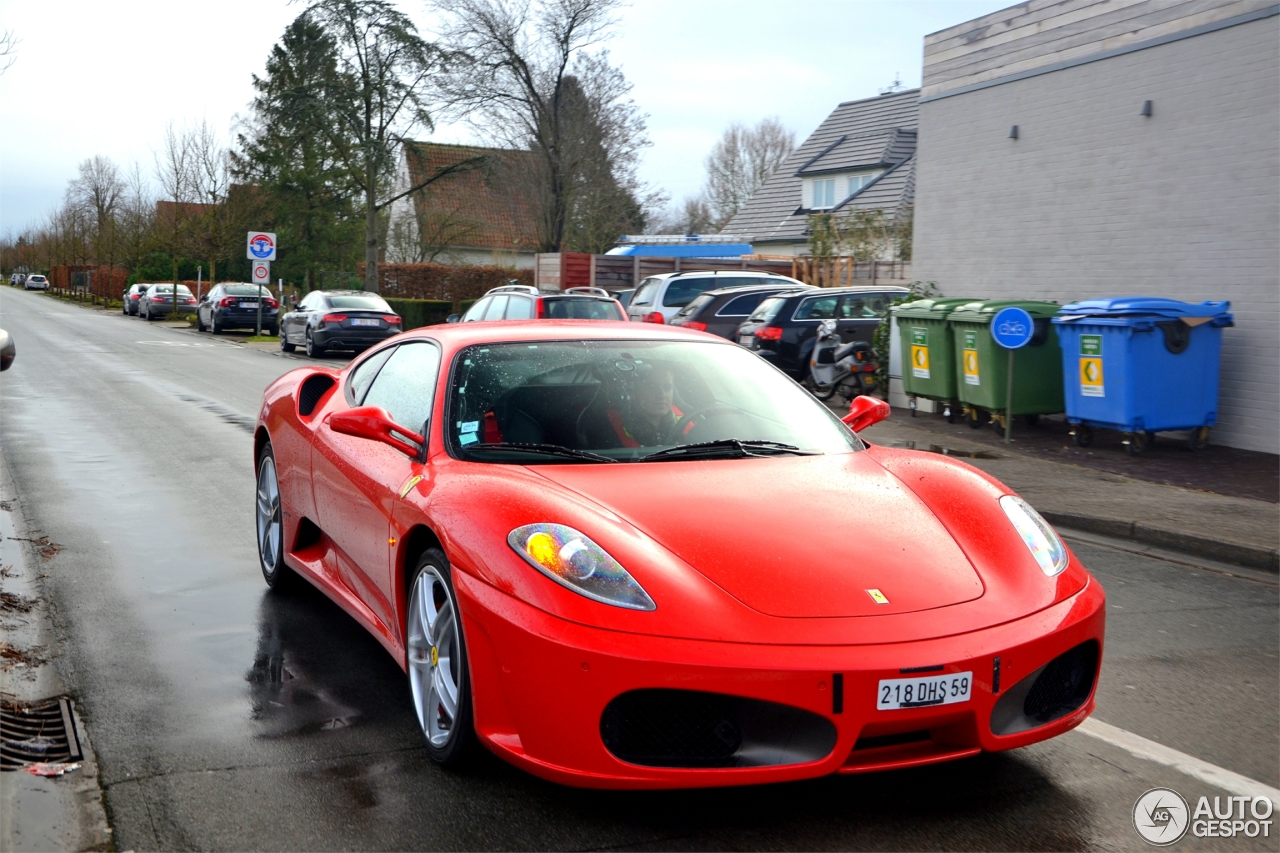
<point>35,282</point>
<point>157,302</point>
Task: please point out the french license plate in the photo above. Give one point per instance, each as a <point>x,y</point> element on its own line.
<point>248,305</point>
<point>360,322</point>
<point>745,340</point>
<point>924,691</point>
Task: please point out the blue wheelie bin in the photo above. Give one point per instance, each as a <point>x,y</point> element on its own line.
<point>1141,365</point>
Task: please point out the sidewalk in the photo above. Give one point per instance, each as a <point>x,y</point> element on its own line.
<point>1085,492</point>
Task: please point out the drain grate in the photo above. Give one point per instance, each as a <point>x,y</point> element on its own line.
<point>37,732</point>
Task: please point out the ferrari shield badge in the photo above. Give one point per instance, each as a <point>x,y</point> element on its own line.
<point>877,596</point>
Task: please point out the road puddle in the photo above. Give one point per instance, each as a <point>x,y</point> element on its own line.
<point>945,451</point>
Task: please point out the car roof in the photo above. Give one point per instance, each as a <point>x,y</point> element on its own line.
<point>841,291</point>
<point>736,273</point>
<point>734,290</point>
<point>507,331</point>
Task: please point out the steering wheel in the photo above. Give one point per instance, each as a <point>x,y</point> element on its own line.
<point>704,412</point>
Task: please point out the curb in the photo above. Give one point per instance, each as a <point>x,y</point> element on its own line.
<point>1249,556</point>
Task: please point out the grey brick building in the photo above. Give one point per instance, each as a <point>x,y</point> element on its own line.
<point>1146,160</point>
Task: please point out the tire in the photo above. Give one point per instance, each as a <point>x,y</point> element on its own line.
<point>149,318</point>
<point>214,325</point>
<point>1199,439</point>
<point>1137,442</point>
<point>975,418</point>
<point>437,656</point>
<point>285,346</point>
<point>1083,435</point>
<point>954,413</point>
<point>200,326</point>
<point>269,523</point>
<point>314,350</point>
<point>272,331</point>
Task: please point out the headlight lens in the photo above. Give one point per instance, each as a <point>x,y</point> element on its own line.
<point>1041,541</point>
<point>572,560</point>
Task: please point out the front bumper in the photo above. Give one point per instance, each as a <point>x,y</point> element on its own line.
<point>541,687</point>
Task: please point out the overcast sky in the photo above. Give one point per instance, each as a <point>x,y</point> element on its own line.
<point>105,77</point>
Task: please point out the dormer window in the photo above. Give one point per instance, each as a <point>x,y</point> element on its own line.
<point>824,194</point>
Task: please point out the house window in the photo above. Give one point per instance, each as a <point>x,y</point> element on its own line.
<point>824,194</point>
<point>857,182</point>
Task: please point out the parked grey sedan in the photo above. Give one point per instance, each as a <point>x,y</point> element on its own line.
<point>157,302</point>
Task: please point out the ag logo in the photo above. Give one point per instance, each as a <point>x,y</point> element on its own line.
<point>1161,816</point>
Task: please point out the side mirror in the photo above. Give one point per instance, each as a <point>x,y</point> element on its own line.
<point>453,318</point>
<point>7,350</point>
<point>374,423</point>
<point>204,297</point>
<point>865,411</point>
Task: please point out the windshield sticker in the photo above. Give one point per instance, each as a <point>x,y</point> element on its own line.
<point>469,426</point>
<point>469,438</point>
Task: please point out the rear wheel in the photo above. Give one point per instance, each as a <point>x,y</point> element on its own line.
<point>313,349</point>
<point>270,524</point>
<point>214,324</point>
<point>147,313</point>
<point>438,676</point>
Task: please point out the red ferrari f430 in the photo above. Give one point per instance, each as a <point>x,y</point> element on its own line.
<point>634,556</point>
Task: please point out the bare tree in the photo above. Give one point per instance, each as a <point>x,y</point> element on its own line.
<point>530,82</point>
<point>741,161</point>
<point>136,217</point>
<point>97,191</point>
<point>175,171</point>
<point>378,97</point>
<point>693,216</point>
<point>8,49</point>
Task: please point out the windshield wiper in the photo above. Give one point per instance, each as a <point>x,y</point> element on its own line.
<point>736,446</point>
<point>547,449</point>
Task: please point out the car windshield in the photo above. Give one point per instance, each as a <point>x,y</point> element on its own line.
<point>359,303</point>
<point>35,278</point>
<point>580,308</point>
<point>246,290</point>
<point>625,401</point>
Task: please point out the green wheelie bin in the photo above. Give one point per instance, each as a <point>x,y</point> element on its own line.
<point>982,365</point>
<point>928,354</point>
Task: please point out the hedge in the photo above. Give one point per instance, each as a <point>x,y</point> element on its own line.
<point>443,281</point>
<point>425,312</point>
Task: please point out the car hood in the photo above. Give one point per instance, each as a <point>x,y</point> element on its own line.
<point>790,536</point>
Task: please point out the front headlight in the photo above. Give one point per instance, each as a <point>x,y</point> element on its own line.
<point>572,560</point>
<point>1041,541</point>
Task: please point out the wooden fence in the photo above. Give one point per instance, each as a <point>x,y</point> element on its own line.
<point>562,270</point>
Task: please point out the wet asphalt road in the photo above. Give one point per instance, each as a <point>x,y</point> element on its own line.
<point>228,717</point>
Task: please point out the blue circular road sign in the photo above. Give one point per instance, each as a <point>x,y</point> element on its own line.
<point>1012,328</point>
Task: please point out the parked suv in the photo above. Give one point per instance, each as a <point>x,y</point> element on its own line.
<point>660,297</point>
<point>722,310</point>
<point>522,302</point>
<point>782,330</point>
<point>232,305</point>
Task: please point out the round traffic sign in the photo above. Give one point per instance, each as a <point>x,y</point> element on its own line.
<point>1012,328</point>
<point>261,272</point>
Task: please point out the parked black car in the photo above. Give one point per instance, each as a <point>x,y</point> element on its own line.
<point>338,319</point>
<point>782,330</point>
<point>131,298</point>
<point>232,305</point>
<point>722,310</point>
<point>522,302</point>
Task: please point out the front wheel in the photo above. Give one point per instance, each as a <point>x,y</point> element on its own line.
<point>438,676</point>
<point>270,524</point>
<point>285,346</point>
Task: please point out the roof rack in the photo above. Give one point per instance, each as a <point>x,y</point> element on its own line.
<point>513,288</point>
<point>594,291</point>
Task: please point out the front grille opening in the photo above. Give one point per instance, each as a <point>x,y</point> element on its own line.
<point>32,733</point>
<point>890,740</point>
<point>1053,691</point>
<point>689,728</point>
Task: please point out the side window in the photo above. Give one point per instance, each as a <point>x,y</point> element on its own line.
<point>520,308</point>
<point>644,296</point>
<point>817,308</point>
<point>681,291</point>
<point>363,376</point>
<point>476,312</point>
<point>497,307</point>
<point>741,306</point>
<point>406,384</point>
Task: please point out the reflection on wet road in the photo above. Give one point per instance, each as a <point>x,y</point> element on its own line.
<point>227,716</point>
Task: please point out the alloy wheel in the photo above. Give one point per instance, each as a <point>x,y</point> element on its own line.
<point>435,656</point>
<point>268,516</point>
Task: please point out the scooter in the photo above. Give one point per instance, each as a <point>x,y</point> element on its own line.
<point>840,368</point>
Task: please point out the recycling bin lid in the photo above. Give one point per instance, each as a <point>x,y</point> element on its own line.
<point>932,309</point>
<point>1148,305</point>
<point>982,311</point>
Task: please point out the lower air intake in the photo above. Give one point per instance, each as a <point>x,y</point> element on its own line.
<point>689,728</point>
<point>1050,693</point>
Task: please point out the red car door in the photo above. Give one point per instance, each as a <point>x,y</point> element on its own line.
<point>356,481</point>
